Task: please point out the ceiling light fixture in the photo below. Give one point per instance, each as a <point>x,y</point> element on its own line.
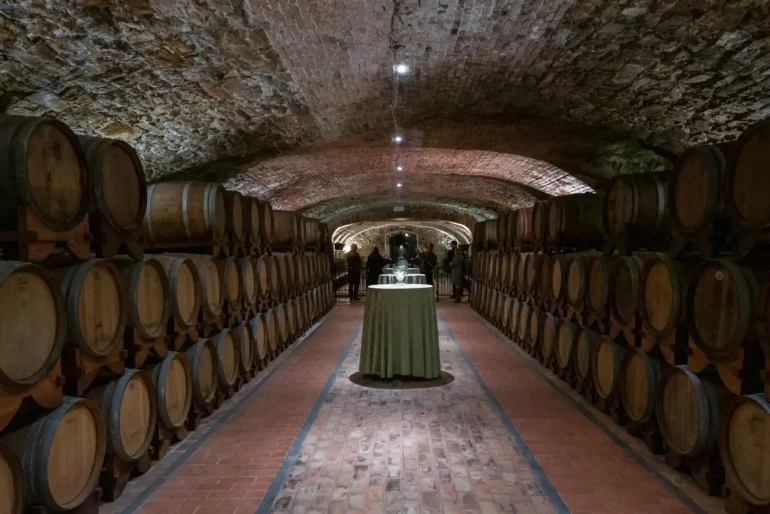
<point>401,68</point>
<point>398,139</point>
<point>399,168</point>
<point>398,185</point>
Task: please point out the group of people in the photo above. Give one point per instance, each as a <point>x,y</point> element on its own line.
<point>454,264</point>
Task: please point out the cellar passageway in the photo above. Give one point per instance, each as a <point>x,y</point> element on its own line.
<point>503,436</point>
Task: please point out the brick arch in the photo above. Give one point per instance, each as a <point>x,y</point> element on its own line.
<point>420,206</point>
<point>454,231</point>
<point>375,236</point>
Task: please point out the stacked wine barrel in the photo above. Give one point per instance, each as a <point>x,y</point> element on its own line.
<point>653,307</point>
<point>113,352</point>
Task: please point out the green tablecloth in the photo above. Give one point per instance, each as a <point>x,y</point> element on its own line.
<point>400,335</point>
<point>390,278</point>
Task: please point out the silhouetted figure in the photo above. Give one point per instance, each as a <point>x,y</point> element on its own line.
<point>449,256</point>
<point>354,272</point>
<point>458,274</point>
<point>374,264</point>
<point>428,264</point>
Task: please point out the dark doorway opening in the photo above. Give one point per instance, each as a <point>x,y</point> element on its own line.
<point>408,242</point>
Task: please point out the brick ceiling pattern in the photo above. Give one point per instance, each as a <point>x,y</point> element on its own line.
<point>295,100</point>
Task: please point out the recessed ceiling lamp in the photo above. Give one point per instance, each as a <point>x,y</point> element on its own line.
<point>401,68</point>
<point>399,168</point>
<point>398,139</point>
<point>398,185</point>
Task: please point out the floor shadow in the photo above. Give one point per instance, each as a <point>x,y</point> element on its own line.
<point>400,382</point>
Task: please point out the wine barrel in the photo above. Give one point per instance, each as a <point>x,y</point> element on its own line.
<point>247,270</point>
<point>173,386</point>
<point>233,286</point>
<point>62,454</point>
<point>688,411</point>
<point>130,414</point>
<point>502,230</point>
<point>312,233</point>
<point>211,280</point>
<point>236,212</point>
<point>523,329</point>
<point>540,213</point>
<point>543,276</point>
<point>244,337</point>
<point>291,318</point>
<point>262,277</point>
<point>535,327</point>
<point>747,178</point>
<point>524,230</point>
<point>203,364</point>
<point>626,297</point>
<point>531,267</point>
<point>510,228</point>
<point>567,335</point>
<point>267,223</point>
<point>550,336</point>
<point>300,272</point>
<point>513,323</point>
<point>273,335</point>
<point>600,270</point>
<point>185,291</point>
<point>521,271</point>
<point>185,211</point>
<point>743,437</point>
<point>274,264</point>
<point>254,226</point>
<point>576,220</point>
<point>607,364</point>
<point>227,344</point>
<point>285,236</point>
<point>664,288</point>
<point>492,236</point>
<point>694,188</point>
<point>577,281</point>
<point>505,318</point>
<point>720,304</point>
<point>585,349</point>
<point>12,497</point>
<point>118,186</point>
<point>281,323</point>
<point>640,375</point>
<point>33,323</point>
<point>299,314</point>
<point>260,331</point>
<point>559,272</point>
<point>635,206</point>
<point>96,306</point>
<point>44,168</point>
<point>147,290</point>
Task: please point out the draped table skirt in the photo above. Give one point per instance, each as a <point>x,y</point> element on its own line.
<point>400,334</point>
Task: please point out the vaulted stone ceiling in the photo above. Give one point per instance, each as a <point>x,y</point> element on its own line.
<point>296,101</point>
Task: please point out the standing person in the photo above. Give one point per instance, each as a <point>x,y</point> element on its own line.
<point>449,256</point>
<point>374,265</point>
<point>458,272</point>
<point>428,264</point>
<point>354,272</point>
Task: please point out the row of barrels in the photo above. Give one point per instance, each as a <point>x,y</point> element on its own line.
<point>713,201</point>
<point>56,460</point>
<point>54,180</point>
<point>88,305</point>
<point>720,305</point>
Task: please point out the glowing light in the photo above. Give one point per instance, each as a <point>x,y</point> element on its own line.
<point>399,184</point>
<point>346,249</point>
<point>401,69</point>
<point>398,139</point>
<point>399,168</point>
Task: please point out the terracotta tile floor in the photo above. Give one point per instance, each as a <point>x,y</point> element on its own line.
<point>500,438</point>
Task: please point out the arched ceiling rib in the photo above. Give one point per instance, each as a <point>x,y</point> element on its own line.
<point>454,231</point>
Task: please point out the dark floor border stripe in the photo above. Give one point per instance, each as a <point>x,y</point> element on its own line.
<point>620,443</point>
<point>282,476</point>
<point>550,492</point>
<point>233,406</point>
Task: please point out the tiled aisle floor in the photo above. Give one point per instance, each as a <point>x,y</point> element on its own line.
<point>499,438</point>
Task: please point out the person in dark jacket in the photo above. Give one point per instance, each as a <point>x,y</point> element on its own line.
<point>354,272</point>
<point>374,264</point>
<point>458,274</point>
<point>449,256</point>
<point>428,264</point>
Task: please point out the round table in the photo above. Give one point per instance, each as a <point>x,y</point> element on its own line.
<point>400,334</point>
<point>390,278</point>
<point>410,271</point>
